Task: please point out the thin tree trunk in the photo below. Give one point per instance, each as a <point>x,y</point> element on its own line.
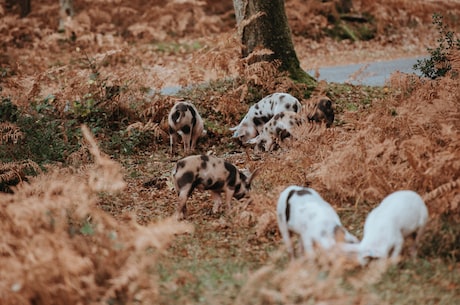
<point>263,24</point>
<point>24,6</point>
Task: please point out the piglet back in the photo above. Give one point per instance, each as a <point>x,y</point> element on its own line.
<point>407,209</point>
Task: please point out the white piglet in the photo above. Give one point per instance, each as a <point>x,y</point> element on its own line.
<point>399,215</point>
<point>185,121</point>
<point>261,112</point>
<point>303,211</point>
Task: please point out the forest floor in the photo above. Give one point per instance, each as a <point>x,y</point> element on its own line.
<point>96,228</point>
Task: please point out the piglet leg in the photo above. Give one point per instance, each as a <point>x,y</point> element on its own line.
<point>186,138</point>
<point>181,210</point>
<point>416,242</point>
<point>307,245</point>
<point>217,199</point>
<point>228,198</point>
<point>398,245</point>
<point>172,142</point>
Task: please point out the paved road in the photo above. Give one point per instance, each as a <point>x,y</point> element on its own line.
<point>370,74</point>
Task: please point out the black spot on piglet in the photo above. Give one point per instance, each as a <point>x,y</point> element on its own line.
<point>186,129</point>
<point>186,178</point>
<point>232,171</point>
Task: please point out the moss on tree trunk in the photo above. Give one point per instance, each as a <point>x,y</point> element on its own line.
<point>269,31</point>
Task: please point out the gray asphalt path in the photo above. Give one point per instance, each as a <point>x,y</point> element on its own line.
<point>370,74</point>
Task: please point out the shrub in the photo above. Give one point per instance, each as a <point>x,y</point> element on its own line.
<point>439,62</point>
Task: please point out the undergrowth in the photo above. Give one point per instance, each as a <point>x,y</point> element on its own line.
<point>92,228</point>
<point>440,61</point>
<point>58,224</point>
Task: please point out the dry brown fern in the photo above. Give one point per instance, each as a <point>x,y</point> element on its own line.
<point>261,73</point>
<point>219,59</point>
<point>107,175</point>
<point>60,248</point>
<point>305,279</point>
<point>452,202</point>
<point>158,109</point>
<point>266,76</point>
<point>158,132</point>
<point>442,189</point>
<point>454,59</point>
<point>407,143</point>
<point>230,106</point>
<point>13,173</point>
<point>312,133</point>
<point>10,133</point>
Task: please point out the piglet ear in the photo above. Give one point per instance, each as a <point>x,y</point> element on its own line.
<point>233,128</point>
<point>339,234</point>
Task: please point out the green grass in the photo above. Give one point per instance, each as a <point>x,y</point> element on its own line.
<point>177,48</point>
<point>202,281</point>
<point>205,266</point>
<point>421,281</point>
<point>211,267</point>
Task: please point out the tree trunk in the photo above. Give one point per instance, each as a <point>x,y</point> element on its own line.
<point>262,24</point>
<point>24,6</point>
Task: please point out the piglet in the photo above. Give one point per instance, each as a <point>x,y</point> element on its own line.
<point>184,120</point>
<point>261,112</point>
<point>303,211</point>
<point>276,130</point>
<point>323,111</point>
<point>399,215</point>
<point>209,173</point>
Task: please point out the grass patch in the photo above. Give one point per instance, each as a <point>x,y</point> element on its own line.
<point>176,47</point>
<point>202,281</point>
<point>421,282</point>
<point>208,266</point>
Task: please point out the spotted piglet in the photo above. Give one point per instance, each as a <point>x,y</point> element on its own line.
<point>320,110</point>
<point>276,130</point>
<point>184,120</point>
<point>261,112</point>
<point>209,173</point>
<point>303,211</point>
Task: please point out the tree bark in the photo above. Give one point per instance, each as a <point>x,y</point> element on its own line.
<point>24,6</point>
<point>262,24</point>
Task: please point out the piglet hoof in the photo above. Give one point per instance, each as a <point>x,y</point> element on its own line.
<point>180,216</point>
